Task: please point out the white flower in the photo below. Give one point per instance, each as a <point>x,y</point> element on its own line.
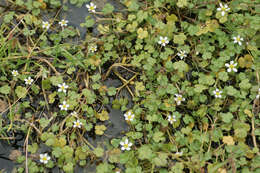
<point>179,153</point>
<point>44,158</point>
<point>129,116</point>
<point>45,25</point>
<point>258,95</point>
<point>28,81</point>
<point>62,87</point>
<point>91,7</point>
<point>125,145</point>
<point>63,23</point>
<point>182,54</point>
<point>172,118</point>
<point>217,93</point>
<point>77,124</point>
<point>163,41</point>
<point>15,73</point>
<point>231,66</point>
<point>223,8</point>
<point>74,113</point>
<point>64,106</point>
<point>178,98</point>
<point>238,40</point>
<point>93,48</point>
<point>117,171</point>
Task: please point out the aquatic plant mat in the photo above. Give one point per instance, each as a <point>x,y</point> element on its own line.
<point>129,86</point>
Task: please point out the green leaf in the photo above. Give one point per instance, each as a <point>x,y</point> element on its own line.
<point>206,79</point>
<point>89,22</point>
<point>56,80</point>
<point>226,117</point>
<point>46,84</point>
<point>145,152</point>
<point>158,136</point>
<point>68,167</point>
<point>182,3</point>
<point>8,17</point>
<point>179,39</point>
<point>142,33</point>
<point>21,91</point>
<point>199,88</point>
<point>104,168</point>
<point>111,91</point>
<point>108,8</point>
<point>44,122</point>
<point>161,160</point>
<point>181,66</point>
<point>245,84</point>
<point>231,91</point>
<point>223,76</point>
<point>5,89</point>
<point>99,152</point>
<point>90,95</point>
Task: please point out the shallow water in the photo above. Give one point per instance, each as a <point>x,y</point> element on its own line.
<point>116,125</point>
<point>6,165</point>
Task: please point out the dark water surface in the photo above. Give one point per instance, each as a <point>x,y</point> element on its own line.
<point>116,125</point>
<point>6,165</point>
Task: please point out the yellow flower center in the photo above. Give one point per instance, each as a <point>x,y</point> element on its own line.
<point>91,8</point>
<point>129,117</point>
<point>77,123</point>
<point>63,22</point>
<point>64,106</point>
<point>223,9</point>
<point>163,41</point>
<point>44,158</point>
<point>125,145</point>
<point>62,88</point>
<point>231,66</point>
<point>217,93</point>
<point>179,98</point>
<point>238,38</point>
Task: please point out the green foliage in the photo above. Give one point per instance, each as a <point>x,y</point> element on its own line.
<point>181,122</point>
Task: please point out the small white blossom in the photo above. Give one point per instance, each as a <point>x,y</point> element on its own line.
<point>163,41</point>
<point>63,23</point>
<point>238,40</point>
<point>44,158</point>
<point>231,66</point>
<point>179,153</point>
<point>217,93</point>
<point>223,8</point>
<point>172,118</point>
<point>64,106</point>
<point>258,95</point>
<point>74,113</point>
<point>93,48</point>
<point>91,7</point>
<point>28,81</point>
<point>129,116</point>
<point>62,87</point>
<point>178,98</point>
<point>45,25</point>
<point>126,145</point>
<point>77,124</point>
<point>182,54</point>
<point>15,73</point>
<point>117,171</point>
